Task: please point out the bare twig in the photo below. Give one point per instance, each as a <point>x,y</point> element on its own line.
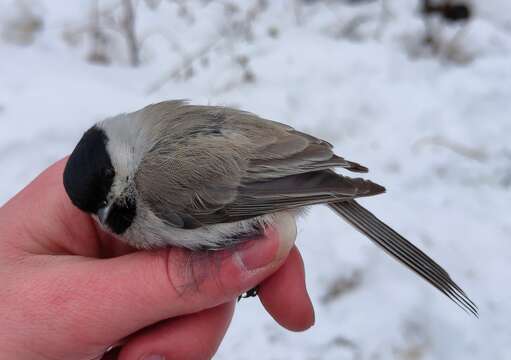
<point>128,26</point>
<point>97,54</point>
<point>385,17</point>
<point>460,149</point>
<point>350,29</point>
<point>185,66</point>
<point>341,286</point>
<point>242,25</point>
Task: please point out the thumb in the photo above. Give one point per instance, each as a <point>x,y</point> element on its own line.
<point>130,292</point>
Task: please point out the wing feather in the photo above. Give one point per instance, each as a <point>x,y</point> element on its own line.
<point>218,165</point>
<point>223,165</point>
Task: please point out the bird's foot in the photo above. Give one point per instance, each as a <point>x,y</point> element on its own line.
<point>250,293</point>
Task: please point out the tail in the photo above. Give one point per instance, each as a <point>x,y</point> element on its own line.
<point>404,251</point>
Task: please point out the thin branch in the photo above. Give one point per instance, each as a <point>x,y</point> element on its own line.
<point>185,65</point>
<point>460,149</point>
<point>128,26</point>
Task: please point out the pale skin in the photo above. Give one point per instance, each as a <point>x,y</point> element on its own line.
<point>71,291</point>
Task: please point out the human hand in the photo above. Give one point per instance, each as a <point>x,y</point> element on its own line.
<point>71,291</point>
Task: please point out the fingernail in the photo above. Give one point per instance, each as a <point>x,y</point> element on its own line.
<point>154,357</point>
<point>274,246</point>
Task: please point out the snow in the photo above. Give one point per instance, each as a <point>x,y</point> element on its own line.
<point>433,128</point>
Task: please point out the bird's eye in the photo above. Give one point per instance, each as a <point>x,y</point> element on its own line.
<point>108,173</point>
<point>104,203</point>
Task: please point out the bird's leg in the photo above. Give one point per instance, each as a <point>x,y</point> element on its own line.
<point>250,293</point>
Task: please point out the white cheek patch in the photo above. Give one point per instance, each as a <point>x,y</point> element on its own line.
<point>126,149</point>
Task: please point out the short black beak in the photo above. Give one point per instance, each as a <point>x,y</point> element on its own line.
<point>103,213</point>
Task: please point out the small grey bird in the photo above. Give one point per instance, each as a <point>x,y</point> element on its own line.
<point>201,177</point>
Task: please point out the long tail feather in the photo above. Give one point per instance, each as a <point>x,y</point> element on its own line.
<point>404,251</point>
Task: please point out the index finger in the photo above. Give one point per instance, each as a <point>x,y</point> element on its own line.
<point>121,295</point>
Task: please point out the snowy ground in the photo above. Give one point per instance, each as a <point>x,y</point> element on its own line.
<point>434,129</point>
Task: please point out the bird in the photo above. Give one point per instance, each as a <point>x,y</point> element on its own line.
<point>208,177</point>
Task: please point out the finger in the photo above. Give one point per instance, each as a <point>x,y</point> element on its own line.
<point>64,229</point>
<point>113,354</point>
<point>190,337</point>
<point>284,295</point>
<point>142,288</point>
<point>42,219</point>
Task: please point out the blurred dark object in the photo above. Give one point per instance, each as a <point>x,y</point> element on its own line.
<point>443,13</point>
<point>448,10</point>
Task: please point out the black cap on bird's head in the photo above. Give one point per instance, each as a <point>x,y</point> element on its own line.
<point>88,179</point>
<point>89,173</point>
